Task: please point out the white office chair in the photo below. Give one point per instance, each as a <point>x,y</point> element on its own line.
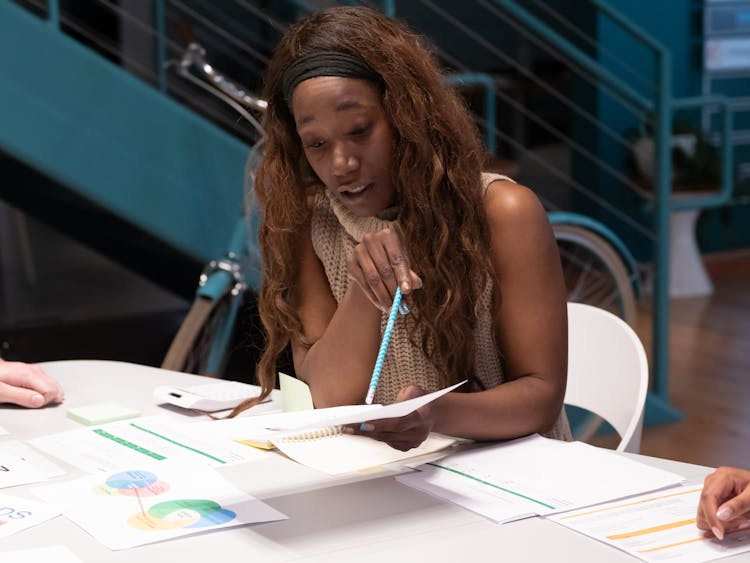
<point>607,371</point>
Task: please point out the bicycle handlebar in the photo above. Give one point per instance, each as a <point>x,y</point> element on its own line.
<point>195,58</point>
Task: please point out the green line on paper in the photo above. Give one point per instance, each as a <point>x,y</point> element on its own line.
<point>478,480</point>
<point>131,445</point>
<point>177,443</point>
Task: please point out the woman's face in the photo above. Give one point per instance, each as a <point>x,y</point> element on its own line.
<point>347,140</point>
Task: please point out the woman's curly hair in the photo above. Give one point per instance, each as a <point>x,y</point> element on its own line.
<point>437,159</point>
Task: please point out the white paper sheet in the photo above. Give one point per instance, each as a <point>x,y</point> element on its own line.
<point>156,502</point>
<point>18,513</point>
<point>56,553</point>
<point>127,442</point>
<point>535,476</point>
<point>655,527</point>
<point>21,464</point>
<point>267,427</point>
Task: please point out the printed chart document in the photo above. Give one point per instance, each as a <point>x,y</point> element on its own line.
<point>18,513</point>
<point>655,527</point>
<point>21,464</point>
<point>535,476</point>
<point>145,504</point>
<point>128,442</point>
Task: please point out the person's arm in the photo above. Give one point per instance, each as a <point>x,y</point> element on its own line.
<point>531,327</point>
<point>341,340</point>
<point>725,501</point>
<point>27,385</point>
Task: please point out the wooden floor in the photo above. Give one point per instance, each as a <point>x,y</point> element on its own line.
<point>709,371</point>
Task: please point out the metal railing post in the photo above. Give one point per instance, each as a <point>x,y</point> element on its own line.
<point>53,13</point>
<point>663,157</point>
<point>160,44</point>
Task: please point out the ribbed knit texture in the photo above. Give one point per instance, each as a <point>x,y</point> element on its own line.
<point>335,233</point>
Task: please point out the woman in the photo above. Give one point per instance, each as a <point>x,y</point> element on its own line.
<point>27,385</point>
<point>371,179</point>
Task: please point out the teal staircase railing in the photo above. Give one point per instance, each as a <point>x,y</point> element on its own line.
<point>112,140</point>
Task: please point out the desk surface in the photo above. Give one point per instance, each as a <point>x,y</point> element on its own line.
<point>355,518</point>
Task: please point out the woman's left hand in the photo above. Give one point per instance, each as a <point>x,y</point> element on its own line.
<point>405,432</point>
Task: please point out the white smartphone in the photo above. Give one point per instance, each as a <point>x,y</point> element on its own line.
<point>209,397</point>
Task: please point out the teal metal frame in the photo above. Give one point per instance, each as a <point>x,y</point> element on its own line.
<point>568,218</point>
<point>101,132</point>
<point>225,278</point>
<point>160,19</point>
<point>490,111</point>
<point>662,107</point>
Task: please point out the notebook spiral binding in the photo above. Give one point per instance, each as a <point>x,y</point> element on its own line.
<point>326,432</point>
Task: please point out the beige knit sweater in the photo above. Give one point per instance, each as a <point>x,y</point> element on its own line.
<point>335,233</point>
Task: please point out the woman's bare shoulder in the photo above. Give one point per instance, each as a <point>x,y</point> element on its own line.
<point>510,203</point>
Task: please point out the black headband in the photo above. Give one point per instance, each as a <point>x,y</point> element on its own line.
<point>325,63</point>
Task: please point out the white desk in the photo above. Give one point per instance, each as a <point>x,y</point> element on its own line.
<point>350,519</point>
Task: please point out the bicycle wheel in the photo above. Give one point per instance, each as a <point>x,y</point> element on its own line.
<point>594,272</point>
<point>191,347</point>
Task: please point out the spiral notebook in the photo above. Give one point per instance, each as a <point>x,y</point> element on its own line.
<point>330,451</point>
<point>314,438</point>
<point>261,430</point>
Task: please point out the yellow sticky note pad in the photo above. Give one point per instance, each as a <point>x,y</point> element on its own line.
<point>295,394</point>
<point>101,413</point>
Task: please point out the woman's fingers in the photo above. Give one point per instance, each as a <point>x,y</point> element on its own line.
<point>28,385</point>
<point>725,501</point>
<point>28,398</point>
<point>366,273</point>
<point>379,264</point>
<point>402,433</point>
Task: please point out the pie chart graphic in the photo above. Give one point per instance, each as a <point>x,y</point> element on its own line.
<point>132,483</point>
<point>185,513</point>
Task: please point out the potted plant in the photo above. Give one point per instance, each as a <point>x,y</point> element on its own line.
<point>695,162</point>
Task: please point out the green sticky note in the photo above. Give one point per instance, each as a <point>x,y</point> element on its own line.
<point>101,413</point>
<point>295,394</point>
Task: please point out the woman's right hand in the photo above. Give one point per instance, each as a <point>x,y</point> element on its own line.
<point>379,264</point>
<point>725,501</point>
<point>27,385</point>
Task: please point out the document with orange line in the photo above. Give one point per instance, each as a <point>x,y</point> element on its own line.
<point>655,527</point>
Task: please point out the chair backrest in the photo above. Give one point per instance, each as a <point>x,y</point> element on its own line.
<point>607,371</point>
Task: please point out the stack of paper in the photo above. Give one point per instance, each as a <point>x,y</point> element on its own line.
<point>18,513</point>
<point>130,442</point>
<point>655,527</point>
<point>535,476</point>
<point>155,502</point>
<point>21,464</point>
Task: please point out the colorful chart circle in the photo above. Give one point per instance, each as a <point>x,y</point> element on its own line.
<point>131,480</point>
<point>186,513</point>
<point>132,483</point>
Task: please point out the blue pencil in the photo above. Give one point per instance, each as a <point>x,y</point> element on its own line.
<point>384,345</point>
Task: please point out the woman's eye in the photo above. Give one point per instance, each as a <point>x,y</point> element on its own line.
<point>314,145</point>
<point>359,131</point>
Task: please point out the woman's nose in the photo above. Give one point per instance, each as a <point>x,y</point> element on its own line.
<point>344,163</point>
